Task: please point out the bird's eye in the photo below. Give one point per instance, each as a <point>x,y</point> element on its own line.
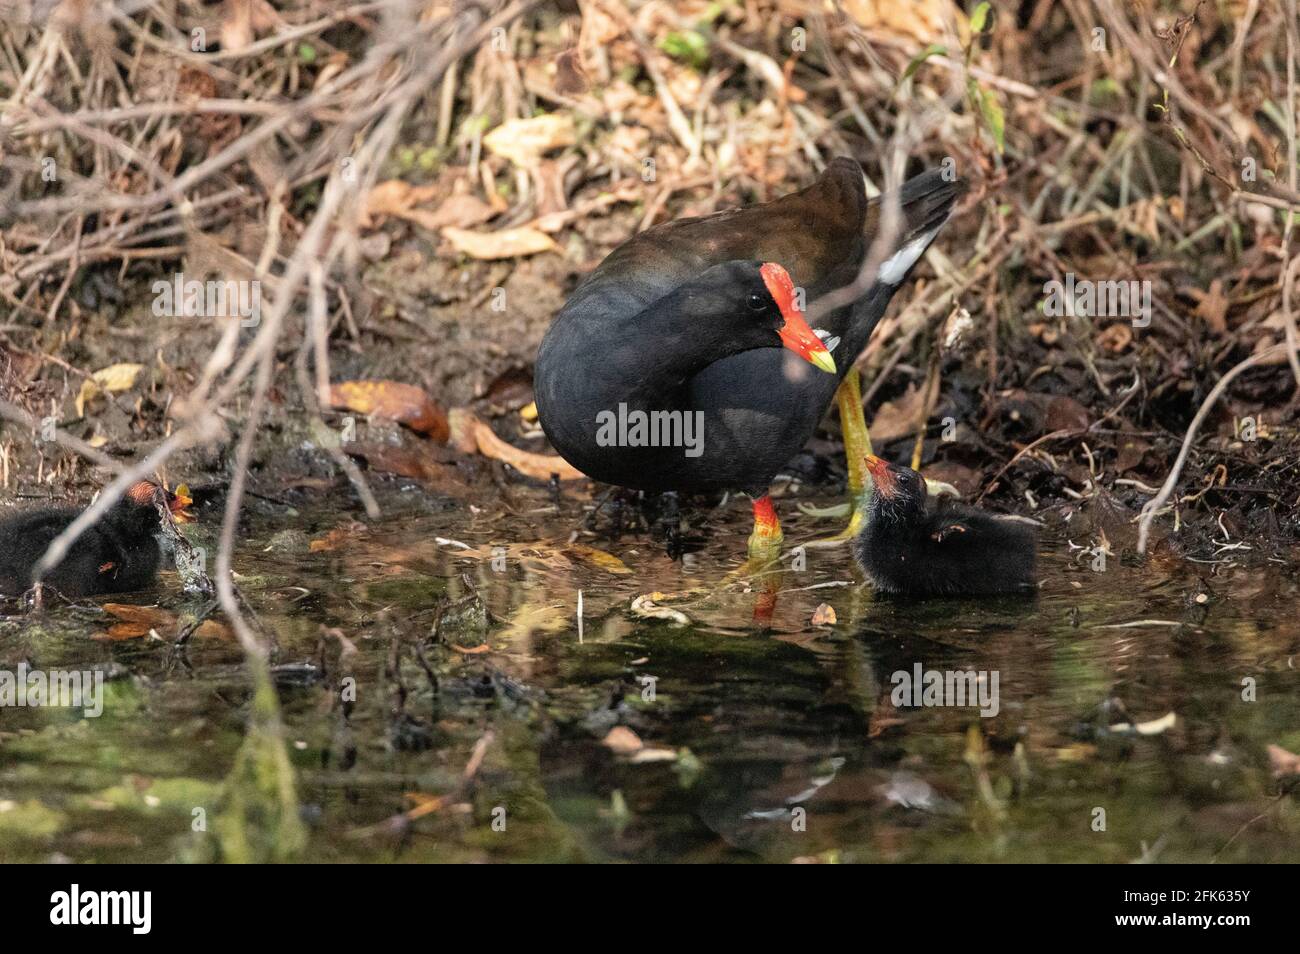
<point>756,303</point>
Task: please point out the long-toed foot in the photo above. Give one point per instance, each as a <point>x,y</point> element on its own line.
<point>857,445</point>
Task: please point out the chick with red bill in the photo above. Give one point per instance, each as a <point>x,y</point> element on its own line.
<point>117,554</point>
<point>913,547</point>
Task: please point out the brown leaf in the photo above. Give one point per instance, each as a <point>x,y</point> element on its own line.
<point>507,243</point>
<point>147,616</point>
<point>1130,453</point>
<point>525,141</point>
<point>1064,413</point>
<point>397,198</point>
<point>598,558</point>
<point>920,21</point>
<point>404,403</point>
<point>472,434</point>
<point>824,615</point>
<point>622,741</point>
<point>337,537</point>
<point>138,621</point>
<point>416,463</point>
<point>1284,763</point>
<point>570,79</point>
<point>1213,308</point>
<point>899,417</point>
<point>1116,338</point>
<point>394,197</point>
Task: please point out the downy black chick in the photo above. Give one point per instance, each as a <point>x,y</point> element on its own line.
<point>118,554</point>
<point>952,550</point>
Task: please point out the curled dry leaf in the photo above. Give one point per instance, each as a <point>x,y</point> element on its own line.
<point>113,379</point>
<point>524,141</point>
<point>899,417</point>
<point>136,622</point>
<point>598,558</point>
<point>404,403</point>
<point>824,615</point>
<point>921,20</point>
<point>394,197</point>
<point>469,434</point>
<point>1283,763</point>
<point>507,243</point>
<point>1116,338</point>
<point>622,741</point>
<point>337,537</point>
<point>397,198</point>
<point>646,608</point>
<point>418,463</point>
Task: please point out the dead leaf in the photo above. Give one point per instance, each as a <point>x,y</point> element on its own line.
<point>899,417</point>
<point>400,199</point>
<point>113,379</point>
<point>622,741</point>
<point>418,463</point>
<point>140,621</point>
<point>598,558</point>
<point>824,615</point>
<point>1116,338</point>
<point>478,650</point>
<point>570,79</point>
<point>1213,307</point>
<point>404,403</point>
<point>921,20</point>
<point>525,141</point>
<point>337,537</point>
<point>1283,763</point>
<point>646,608</point>
<point>507,243</point>
<point>469,434</point>
<point>394,197</point>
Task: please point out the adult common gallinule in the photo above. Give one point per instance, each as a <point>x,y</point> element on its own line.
<point>952,550</point>
<point>693,330</point>
<point>118,554</point>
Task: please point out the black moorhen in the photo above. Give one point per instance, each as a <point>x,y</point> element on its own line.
<point>949,551</point>
<point>701,319</point>
<point>118,554</point>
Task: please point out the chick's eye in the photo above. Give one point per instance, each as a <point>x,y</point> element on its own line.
<point>756,303</point>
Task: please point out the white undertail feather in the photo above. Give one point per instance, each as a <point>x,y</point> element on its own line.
<point>896,266</point>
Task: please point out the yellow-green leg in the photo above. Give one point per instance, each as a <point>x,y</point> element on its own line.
<point>857,445</point>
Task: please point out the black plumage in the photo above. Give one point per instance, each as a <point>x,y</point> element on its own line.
<point>117,554</point>
<point>662,325</point>
<point>909,548</point>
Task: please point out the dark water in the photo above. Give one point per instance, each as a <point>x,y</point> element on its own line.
<point>767,739</point>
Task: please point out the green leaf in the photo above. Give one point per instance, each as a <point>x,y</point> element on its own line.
<point>934,49</point>
<point>991,111</point>
<point>979,20</point>
<point>688,46</point>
